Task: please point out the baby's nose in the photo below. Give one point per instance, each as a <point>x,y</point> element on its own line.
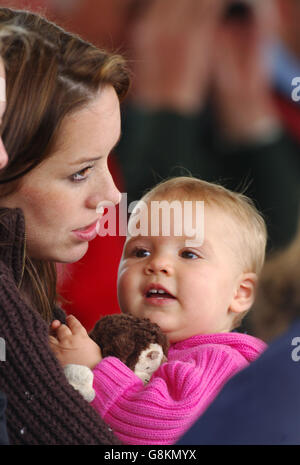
<point>157,266</point>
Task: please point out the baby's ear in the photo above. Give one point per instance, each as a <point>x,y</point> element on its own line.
<point>245,293</point>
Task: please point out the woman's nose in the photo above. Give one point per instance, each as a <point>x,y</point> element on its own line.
<point>105,191</point>
<point>3,155</point>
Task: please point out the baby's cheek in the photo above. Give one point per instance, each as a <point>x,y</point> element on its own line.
<point>122,294</point>
<point>126,292</point>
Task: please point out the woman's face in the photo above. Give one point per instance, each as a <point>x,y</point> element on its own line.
<point>59,197</point>
<point>3,154</point>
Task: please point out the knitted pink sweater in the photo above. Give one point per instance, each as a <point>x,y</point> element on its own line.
<point>178,392</point>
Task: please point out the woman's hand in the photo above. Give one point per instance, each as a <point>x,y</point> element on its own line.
<point>71,344</point>
<point>241,85</point>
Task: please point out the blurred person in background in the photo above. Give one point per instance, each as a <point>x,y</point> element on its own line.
<point>278,299</point>
<point>203,100</point>
<point>284,59</point>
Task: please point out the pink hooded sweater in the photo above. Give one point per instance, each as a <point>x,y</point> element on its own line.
<point>178,392</point>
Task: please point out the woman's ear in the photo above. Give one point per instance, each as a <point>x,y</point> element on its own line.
<point>245,293</point>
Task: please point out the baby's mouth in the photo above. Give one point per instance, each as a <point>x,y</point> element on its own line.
<point>158,292</point>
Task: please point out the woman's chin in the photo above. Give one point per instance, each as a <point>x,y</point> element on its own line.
<point>80,253</point>
<point>73,254</point>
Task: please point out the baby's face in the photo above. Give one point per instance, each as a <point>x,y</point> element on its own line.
<point>187,289</point>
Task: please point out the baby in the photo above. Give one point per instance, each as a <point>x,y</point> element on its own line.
<point>191,266</point>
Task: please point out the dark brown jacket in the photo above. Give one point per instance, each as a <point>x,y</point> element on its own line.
<point>42,408</point>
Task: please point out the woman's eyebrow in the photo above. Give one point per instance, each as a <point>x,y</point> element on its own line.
<point>86,160</point>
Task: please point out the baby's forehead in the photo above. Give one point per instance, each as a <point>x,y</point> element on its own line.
<point>186,218</point>
<point>176,208</point>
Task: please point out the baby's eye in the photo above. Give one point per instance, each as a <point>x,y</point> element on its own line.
<point>82,174</point>
<point>189,254</point>
<point>140,253</point>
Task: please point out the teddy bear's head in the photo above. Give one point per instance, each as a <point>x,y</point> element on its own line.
<point>137,342</point>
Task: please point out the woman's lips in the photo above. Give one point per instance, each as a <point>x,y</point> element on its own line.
<point>87,234</point>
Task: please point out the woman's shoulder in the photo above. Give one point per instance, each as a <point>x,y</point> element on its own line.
<point>8,283</point>
<point>12,223</point>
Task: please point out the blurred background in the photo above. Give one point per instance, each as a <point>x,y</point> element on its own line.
<point>102,22</point>
<point>211,95</point>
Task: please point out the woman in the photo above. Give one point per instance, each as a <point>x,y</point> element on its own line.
<point>4,32</point>
<point>62,121</point>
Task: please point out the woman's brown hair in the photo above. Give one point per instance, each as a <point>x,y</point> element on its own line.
<point>50,75</point>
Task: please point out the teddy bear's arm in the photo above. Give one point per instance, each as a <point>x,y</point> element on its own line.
<point>81,378</point>
<point>148,362</point>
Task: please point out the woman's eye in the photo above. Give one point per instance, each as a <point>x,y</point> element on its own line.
<point>82,174</point>
<point>189,254</point>
<point>141,253</point>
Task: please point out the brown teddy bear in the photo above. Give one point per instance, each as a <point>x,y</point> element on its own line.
<point>137,342</point>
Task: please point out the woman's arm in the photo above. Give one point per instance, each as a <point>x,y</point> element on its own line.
<point>3,430</point>
<point>42,406</point>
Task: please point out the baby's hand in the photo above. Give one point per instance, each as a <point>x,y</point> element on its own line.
<point>71,344</point>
